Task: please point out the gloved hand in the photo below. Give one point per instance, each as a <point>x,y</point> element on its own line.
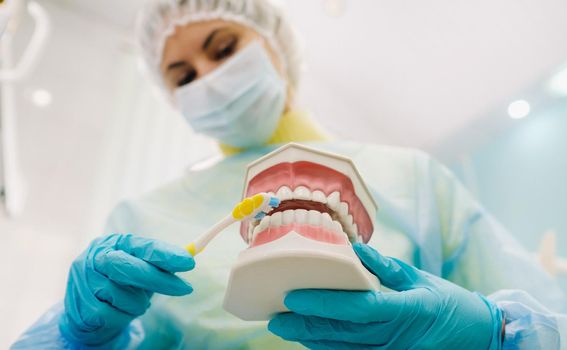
<point>427,312</point>
<point>111,283</point>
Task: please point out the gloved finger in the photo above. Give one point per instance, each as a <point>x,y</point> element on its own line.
<point>130,300</point>
<point>392,273</point>
<point>161,254</point>
<point>292,326</point>
<point>128,270</point>
<point>359,307</point>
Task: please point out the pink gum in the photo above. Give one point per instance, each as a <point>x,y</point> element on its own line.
<point>316,233</point>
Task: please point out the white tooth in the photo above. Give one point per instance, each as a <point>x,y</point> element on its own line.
<point>276,219</point>
<point>302,192</point>
<point>343,209</point>
<point>333,201</point>
<point>349,227</point>
<point>264,224</point>
<point>349,221</point>
<point>314,218</point>
<point>272,194</point>
<point>320,197</point>
<point>355,229</point>
<point>337,227</point>
<point>285,193</point>
<point>301,216</point>
<point>288,217</point>
<point>326,221</point>
<point>255,233</point>
<point>348,224</point>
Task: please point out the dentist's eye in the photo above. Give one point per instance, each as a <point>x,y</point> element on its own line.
<point>221,44</point>
<point>226,49</point>
<point>187,78</point>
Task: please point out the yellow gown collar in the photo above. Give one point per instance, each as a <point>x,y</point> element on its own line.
<point>293,126</point>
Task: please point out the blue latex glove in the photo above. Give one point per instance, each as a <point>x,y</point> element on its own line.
<point>111,283</point>
<point>427,312</point>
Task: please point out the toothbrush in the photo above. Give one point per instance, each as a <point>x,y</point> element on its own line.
<point>255,207</point>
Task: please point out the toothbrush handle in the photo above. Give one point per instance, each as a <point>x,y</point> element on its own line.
<point>201,242</point>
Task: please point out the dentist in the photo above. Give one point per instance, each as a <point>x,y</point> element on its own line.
<point>458,279</point>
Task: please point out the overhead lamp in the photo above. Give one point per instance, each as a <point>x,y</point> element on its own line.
<point>558,83</point>
<point>41,98</point>
<point>519,109</point>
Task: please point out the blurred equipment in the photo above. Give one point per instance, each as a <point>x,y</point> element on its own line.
<point>9,13</point>
<point>5,11</point>
<point>11,185</point>
<point>552,263</point>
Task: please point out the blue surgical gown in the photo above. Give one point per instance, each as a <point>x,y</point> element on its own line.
<point>426,218</point>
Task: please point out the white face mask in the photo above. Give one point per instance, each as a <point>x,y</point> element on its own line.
<point>239,103</point>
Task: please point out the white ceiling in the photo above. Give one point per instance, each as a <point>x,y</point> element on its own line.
<point>413,73</point>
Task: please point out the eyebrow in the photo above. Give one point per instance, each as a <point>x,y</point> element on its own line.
<point>175,65</point>
<point>211,37</point>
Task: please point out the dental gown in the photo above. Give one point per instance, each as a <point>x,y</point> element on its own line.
<point>425,218</point>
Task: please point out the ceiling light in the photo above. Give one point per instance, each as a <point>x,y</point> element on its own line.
<point>558,83</point>
<point>42,98</point>
<point>334,8</point>
<point>518,109</point>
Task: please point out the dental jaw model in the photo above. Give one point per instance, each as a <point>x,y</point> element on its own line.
<point>305,243</point>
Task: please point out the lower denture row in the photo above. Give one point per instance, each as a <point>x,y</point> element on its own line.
<point>301,217</point>
<point>333,201</point>
<point>317,233</point>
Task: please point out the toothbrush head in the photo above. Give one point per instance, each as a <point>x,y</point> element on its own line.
<point>255,207</point>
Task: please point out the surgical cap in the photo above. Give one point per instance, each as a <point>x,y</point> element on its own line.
<point>159,19</point>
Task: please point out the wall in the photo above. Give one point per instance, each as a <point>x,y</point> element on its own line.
<point>521,176</point>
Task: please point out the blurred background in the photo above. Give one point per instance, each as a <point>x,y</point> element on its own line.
<point>481,85</point>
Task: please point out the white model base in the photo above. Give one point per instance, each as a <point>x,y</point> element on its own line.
<point>263,275</point>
